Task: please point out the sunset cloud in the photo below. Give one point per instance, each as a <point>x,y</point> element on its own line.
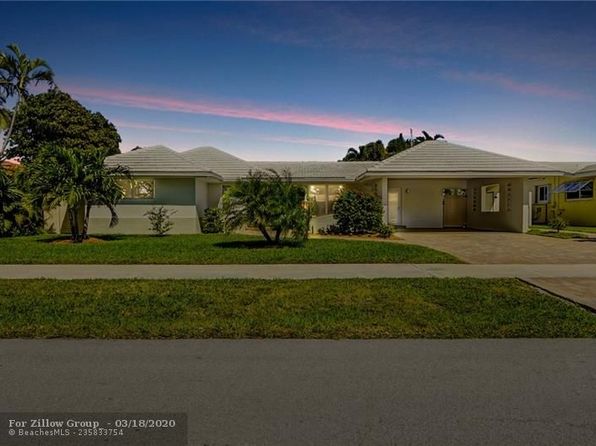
<point>510,84</point>
<point>274,138</point>
<point>286,115</point>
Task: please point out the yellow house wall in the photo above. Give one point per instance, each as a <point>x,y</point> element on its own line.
<point>581,212</point>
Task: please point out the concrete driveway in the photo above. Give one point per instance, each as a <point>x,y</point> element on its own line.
<point>505,247</point>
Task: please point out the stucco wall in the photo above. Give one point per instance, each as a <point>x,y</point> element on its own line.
<point>579,212</point>
<point>422,200</point>
<point>513,212</point>
<point>175,194</point>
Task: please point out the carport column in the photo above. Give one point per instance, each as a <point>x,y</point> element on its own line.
<point>201,197</point>
<point>385,198</point>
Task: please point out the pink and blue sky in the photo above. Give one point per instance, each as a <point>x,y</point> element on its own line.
<point>308,80</point>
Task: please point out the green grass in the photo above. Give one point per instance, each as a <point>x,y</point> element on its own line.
<point>380,308</point>
<point>212,249</point>
<point>586,229</point>
<point>561,234</point>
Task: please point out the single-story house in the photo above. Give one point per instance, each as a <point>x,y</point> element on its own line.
<point>435,184</point>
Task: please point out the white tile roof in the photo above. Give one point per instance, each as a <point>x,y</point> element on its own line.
<point>571,167</point>
<point>227,166</point>
<point>324,170</point>
<point>430,158</point>
<point>443,157</point>
<point>157,160</point>
<point>588,170</point>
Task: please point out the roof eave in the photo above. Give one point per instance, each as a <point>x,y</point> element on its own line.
<point>456,174</point>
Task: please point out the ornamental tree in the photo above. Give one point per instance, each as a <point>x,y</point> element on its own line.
<point>270,202</point>
<point>54,119</point>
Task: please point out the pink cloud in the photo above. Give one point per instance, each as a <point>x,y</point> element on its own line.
<point>279,138</point>
<point>284,115</point>
<point>507,83</point>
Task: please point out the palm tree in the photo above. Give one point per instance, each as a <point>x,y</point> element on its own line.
<point>78,179</point>
<point>353,154</point>
<point>17,73</point>
<point>373,151</point>
<point>426,137</point>
<point>270,202</point>
<point>101,185</point>
<point>397,145</point>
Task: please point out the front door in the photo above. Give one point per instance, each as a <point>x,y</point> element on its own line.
<point>454,207</point>
<point>394,207</point>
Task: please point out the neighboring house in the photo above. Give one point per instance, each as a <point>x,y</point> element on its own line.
<point>571,196</point>
<point>435,184</point>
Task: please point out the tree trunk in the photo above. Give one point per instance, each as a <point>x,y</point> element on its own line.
<point>277,236</point>
<point>72,219</point>
<point>10,128</point>
<point>84,235</point>
<point>265,233</point>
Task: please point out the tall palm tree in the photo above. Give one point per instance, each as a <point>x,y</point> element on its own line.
<point>78,179</point>
<point>17,73</point>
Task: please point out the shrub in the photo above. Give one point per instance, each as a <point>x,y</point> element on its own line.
<point>558,223</point>
<point>330,230</point>
<point>385,231</point>
<point>212,221</point>
<point>159,220</point>
<point>358,213</point>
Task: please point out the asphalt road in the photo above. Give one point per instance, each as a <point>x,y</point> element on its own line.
<point>292,392</point>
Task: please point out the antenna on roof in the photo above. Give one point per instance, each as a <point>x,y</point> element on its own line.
<point>411,138</point>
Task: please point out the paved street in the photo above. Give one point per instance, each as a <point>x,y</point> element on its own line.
<point>292,392</point>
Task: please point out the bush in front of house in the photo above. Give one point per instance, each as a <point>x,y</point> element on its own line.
<point>160,220</point>
<point>558,223</point>
<point>384,231</point>
<point>270,202</point>
<point>212,221</point>
<point>357,213</point>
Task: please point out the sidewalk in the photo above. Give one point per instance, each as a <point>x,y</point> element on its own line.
<point>298,271</point>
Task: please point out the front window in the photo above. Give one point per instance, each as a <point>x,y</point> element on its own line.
<point>490,198</point>
<point>324,197</point>
<point>581,190</point>
<point>143,189</point>
<point>542,193</point>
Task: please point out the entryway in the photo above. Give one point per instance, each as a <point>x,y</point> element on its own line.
<point>394,207</point>
<point>454,208</point>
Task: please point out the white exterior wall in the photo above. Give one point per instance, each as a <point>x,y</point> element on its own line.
<point>422,200</point>
<point>201,195</point>
<point>215,191</point>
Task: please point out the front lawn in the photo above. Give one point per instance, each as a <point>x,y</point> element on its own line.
<point>210,249</point>
<point>380,308</point>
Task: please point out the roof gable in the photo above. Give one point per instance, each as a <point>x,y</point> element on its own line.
<point>442,156</point>
<point>228,166</point>
<point>156,159</point>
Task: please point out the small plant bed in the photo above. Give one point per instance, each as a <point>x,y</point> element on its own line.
<point>207,249</point>
<point>574,229</point>
<point>567,234</point>
<point>355,308</point>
